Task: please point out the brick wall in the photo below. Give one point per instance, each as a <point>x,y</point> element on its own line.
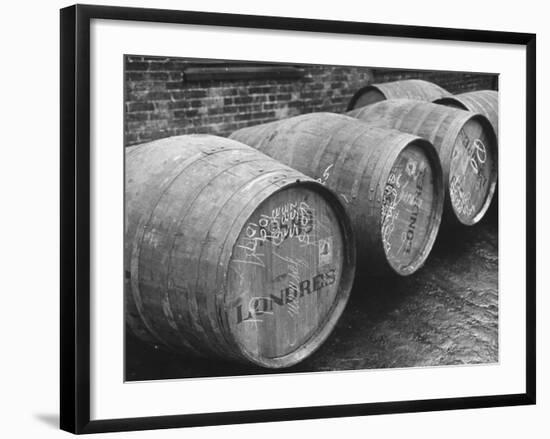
<point>451,81</point>
<point>160,102</point>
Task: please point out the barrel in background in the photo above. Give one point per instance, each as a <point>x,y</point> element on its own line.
<point>391,182</point>
<point>406,89</point>
<point>465,141</point>
<point>482,101</point>
<point>229,253</point>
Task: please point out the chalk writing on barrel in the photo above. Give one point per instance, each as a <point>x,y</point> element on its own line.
<point>459,197</point>
<point>291,220</point>
<point>326,174</point>
<point>462,185</point>
<point>398,191</point>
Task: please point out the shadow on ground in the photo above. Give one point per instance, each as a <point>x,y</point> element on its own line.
<point>445,314</point>
<point>49,419</point>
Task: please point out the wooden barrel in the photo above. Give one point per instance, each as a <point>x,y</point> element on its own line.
<point>483,101</point>
<point>229,253</point>
<point>390,182</point>
<point>466,144</point>
<point>417,89</point>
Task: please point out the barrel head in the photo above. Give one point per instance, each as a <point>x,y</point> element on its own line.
<point>410,212</point>
<point>472,172</point>
<point>366,96</point>
<point>283,291</point>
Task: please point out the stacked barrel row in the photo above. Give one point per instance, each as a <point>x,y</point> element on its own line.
<point>246,248</point>
<point>390,182</point>
<point>448,121</point>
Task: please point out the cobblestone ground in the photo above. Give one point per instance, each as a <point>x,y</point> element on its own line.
<point>445,314</point>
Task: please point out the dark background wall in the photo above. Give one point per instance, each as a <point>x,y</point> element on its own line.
<point>453,82</point>
<point>173,96</point>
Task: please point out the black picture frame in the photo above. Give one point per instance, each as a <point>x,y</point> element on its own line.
<point>75,217</point>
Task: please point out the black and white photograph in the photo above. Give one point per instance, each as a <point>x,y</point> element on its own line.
<point>299,218</point>
<point>275,220</point>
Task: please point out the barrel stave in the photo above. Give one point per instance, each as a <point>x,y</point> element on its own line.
<point>484,102</point>
<point>172,224</point>
<point>416,89</point>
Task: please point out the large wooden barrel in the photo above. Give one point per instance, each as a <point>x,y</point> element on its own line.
<point>417,89</point>
<point>465,141</point>
<point>482,101</point>
<point>390,182</point>
<point>230,253</point>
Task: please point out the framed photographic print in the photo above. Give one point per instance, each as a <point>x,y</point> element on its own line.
<point>292,219</point>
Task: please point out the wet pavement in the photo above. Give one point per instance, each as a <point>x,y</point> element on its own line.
<point>444,314</point>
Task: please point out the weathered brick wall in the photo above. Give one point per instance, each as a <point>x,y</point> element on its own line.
<point>451,81</point>
<point>160,103</point>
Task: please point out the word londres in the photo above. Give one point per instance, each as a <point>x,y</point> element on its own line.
<point>417,202</point>
<point>266,304</point>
